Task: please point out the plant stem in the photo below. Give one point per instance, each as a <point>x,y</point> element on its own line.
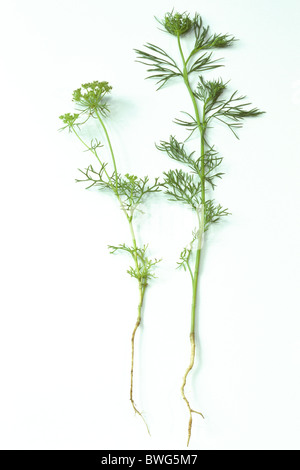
<point>196,271</point>
<point>110,147</point>
<point>96,155</point>
<point>129,217</point>
<point>186,81</point>
<point>134,246</point>
<point>200,216</point>
<point>137,324</point>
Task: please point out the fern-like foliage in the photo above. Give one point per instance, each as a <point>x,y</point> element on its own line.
<point>205,40</point>
<point>130,190</point>
<point>143,269</point>
<point>182,186</point>
<point>231,111</point>
<point>161,66</point>
<point>211,102</point>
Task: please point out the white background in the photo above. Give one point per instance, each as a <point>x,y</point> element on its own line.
<point>68,307</point>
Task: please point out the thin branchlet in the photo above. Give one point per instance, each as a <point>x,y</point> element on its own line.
<point>211,103</point>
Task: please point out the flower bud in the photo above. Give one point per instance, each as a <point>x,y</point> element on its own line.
<point>177,23</point>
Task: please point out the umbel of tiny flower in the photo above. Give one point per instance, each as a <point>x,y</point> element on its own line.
<point>90,97</point>
<point>69,119</point>
<point>177,23</point>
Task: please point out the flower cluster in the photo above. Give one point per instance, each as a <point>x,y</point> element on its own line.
<point>222,41</point>
<point>90,97</point>
<point>177,23</point>
<point>69,119</point>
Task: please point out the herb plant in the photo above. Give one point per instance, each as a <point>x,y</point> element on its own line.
<point>210,103</point>
<point>129,190</point>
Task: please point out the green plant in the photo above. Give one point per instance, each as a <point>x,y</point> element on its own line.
<point>210,103</point>
<point>130,191</point>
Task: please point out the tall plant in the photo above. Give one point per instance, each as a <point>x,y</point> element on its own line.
<point>210,102</point>
<point>129,190</point>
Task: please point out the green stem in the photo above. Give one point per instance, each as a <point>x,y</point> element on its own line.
<point>134,245</point>
<point>186,81</point>
<point>195,277</point>
<point>113,187</point>
<point>96,155</point>
<point>110,147</point>
<point>201,127</point>
<point>196,273</point>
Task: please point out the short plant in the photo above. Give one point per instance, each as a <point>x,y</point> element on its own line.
<point>129,190</point>
<point>210,104</point>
